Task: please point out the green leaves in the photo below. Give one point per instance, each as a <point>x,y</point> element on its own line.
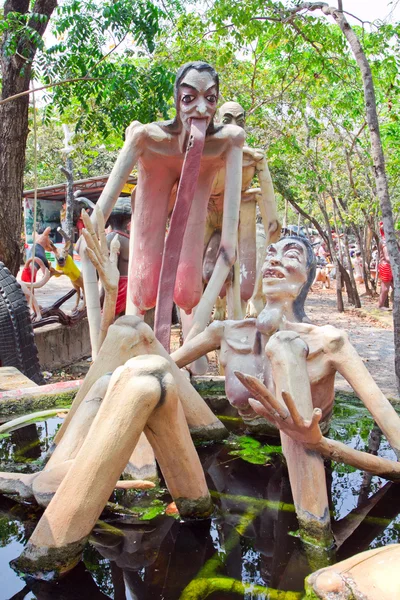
<point>253,451</point>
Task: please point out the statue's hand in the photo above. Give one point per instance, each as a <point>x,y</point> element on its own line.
<point>106,262</point>
<point>286,418</point>
<point>252,156</point>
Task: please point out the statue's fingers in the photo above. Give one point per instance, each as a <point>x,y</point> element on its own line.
<point>95,261</point>
<point>261,393</point>
<point>92,241</point>
<point>101,230</point>
<point>294,413</point>
<point>114,249</point>
<point>89,226</point>
<point>86,221</point>
<point>262,410</point>
<point>88,238</point>
<point>316,417</point>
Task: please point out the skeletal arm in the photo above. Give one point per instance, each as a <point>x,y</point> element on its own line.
<point>343,357</point>
<point>105,262</point>
<point>351,367</point>
<point>135,136</point>
<point>128,157</point>
<point>288,420</point>
<point>200,345</point>
<point>267,202</point>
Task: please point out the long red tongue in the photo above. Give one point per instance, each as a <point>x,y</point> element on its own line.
<point>174,241</point>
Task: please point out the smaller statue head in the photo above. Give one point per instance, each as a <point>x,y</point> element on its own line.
<point>288,272</point>
<point>231,113</point>
<point>196,92</point>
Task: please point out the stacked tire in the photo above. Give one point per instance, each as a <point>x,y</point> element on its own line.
<point>17,344</point>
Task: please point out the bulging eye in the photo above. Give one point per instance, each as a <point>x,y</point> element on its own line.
<point>226,120</point>
<point>187,99</point>
<point>212,98</point>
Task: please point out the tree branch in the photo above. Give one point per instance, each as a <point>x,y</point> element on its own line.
<point>50,85</point>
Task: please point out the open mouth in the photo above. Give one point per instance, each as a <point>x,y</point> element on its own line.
<point>273,274</point>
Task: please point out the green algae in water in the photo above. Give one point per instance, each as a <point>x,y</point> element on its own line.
<point>202,588</point>
<point>156,509</point>
<point>252,451</point>
<point>244,494</point>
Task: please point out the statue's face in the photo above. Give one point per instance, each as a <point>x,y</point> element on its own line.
<point>231,113</point>
<point>284,270</point>
<point>197,97</point>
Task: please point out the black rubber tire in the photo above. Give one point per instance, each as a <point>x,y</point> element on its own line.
<point>17,343</point>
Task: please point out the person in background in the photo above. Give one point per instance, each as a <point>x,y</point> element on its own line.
<point>385,271</point>
<point>358,267</point>
<point>322,251</point>
<point>41,246</point>
<point>119,221</point>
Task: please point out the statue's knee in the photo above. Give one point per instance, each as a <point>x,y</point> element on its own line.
<point>286,341</point>
<point>127,331</point>
<point>148,364</point>
<point>335,338</point>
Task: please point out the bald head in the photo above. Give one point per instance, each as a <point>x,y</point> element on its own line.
<point>231,113</point>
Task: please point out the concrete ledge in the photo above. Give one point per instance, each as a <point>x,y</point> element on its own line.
<point>59,346</point>
<point>25,400</point>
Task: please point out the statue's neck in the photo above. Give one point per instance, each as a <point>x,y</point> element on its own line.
<point>285,308</point>
<point>270,319</point>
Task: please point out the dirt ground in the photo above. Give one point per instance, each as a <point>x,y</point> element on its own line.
<point>370,331</point>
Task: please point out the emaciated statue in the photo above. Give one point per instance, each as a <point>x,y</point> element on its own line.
<point>172,268</point>
<point>282,368</point>
<point>263,197</point>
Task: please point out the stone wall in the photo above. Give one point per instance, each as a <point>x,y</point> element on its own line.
<point>59,346</point>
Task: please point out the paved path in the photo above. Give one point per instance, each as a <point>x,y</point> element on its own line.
<point>54,289</point>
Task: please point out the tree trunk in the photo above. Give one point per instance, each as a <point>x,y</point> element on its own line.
<point>13,135</point>
<point>69,200</point>
<point>16,75</point>
<point>352,281</point>
<point>339,295</point>
<point>379,167</point>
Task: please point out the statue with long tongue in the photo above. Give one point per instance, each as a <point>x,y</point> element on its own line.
<point>186,152</point>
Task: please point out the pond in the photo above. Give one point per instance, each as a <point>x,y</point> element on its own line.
<point>249,549</point>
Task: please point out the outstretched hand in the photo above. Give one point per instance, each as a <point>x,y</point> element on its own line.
<point>286,418</point>
<point>105,261</point>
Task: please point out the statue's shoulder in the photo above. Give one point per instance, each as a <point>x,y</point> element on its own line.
<point>139,131</point>
<point>157,132</point>
<point>240,335</point>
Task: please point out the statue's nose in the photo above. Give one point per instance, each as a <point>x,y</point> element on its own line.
<point>275,260</point>
<point>201,108</point>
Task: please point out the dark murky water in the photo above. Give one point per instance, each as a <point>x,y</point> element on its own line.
<point>247,550</point>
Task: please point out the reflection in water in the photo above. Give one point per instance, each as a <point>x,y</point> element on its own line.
<point>247,549</point>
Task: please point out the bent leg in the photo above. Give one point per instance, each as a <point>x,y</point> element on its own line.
<point>129,337</point>
<point>145,384</point>
<point>288,353</point>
